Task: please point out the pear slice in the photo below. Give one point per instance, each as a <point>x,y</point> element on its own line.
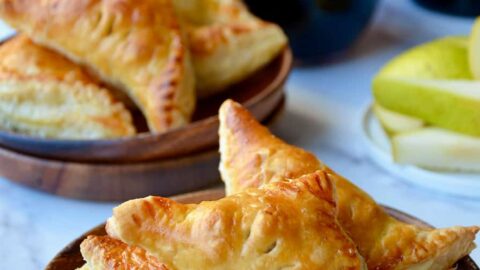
<point>474,49</point>
<point>433,82</point>
<point>445,58</point>
<point>394,122</point>
<point>438,149</point>
<point>453,105</point>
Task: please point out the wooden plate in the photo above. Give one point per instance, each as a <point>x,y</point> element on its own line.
<point>260,93</point>
<point>117,181</point>
<point>70,257</point>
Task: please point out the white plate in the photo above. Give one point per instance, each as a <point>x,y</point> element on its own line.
<point>378,145</point>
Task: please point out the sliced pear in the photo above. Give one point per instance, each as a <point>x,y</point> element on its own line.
<point>438,149</point>
<point>394,122</point>
<point>432,82</point>
<point>445,58</point>
<point>474,49</point>
<point>453,105</point>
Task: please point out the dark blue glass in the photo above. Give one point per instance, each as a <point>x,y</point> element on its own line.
<point>469,8</point>
<point>317,28</point>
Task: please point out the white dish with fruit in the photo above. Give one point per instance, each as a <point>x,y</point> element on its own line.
<point>424,124</point>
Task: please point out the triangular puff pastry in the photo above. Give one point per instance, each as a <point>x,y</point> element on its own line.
<point>251,156</point>
<point>105,253</point>
<point>43,94</point>
<point>136,46</point>
<point>227,42</point>
<point>282,225</point>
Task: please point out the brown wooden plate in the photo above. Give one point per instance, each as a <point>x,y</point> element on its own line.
<point>260,93</point>
<point>70,257</point>
<point>117,181</point>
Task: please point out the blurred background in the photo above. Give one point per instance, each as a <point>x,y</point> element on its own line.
<point>322,30</point>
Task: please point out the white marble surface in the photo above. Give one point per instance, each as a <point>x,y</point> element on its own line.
<point>323,115</point>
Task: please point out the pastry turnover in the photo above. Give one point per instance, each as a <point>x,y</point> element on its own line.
<point>227,42</point>
<point>251,156</point>
<point>136,46</point>
<point>105,253</point>
<point>282,225</point>
<point>43,94</point>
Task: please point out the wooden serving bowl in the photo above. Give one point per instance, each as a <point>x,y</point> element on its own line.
<point>260,93</point>
<point>70,257</point>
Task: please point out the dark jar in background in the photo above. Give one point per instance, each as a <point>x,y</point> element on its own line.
<point>317,29</point>
<point>468,8</point>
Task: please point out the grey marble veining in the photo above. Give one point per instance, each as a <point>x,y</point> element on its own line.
<point>323,114</point>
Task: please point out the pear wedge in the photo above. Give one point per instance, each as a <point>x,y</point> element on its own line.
<point>433,82</point>
<point>453,105</point>
<point>474,49</point>
<point>437,149</point>
<point>394,122</point>
<point>444,58</point>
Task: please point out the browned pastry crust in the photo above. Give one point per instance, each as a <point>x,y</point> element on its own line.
<point>283,225</point>
<point>21,55</point>
<point>134,45</point>
<point>251,156</point>
<point>106,253</point>
<point>227,42</point>
<point>250,151</point>
<point>43,94</point>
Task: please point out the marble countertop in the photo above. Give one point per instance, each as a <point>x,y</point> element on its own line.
<point>323,113</point>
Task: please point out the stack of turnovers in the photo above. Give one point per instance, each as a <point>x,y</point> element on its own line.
<point>318,220</point>
<point>141,48</point>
